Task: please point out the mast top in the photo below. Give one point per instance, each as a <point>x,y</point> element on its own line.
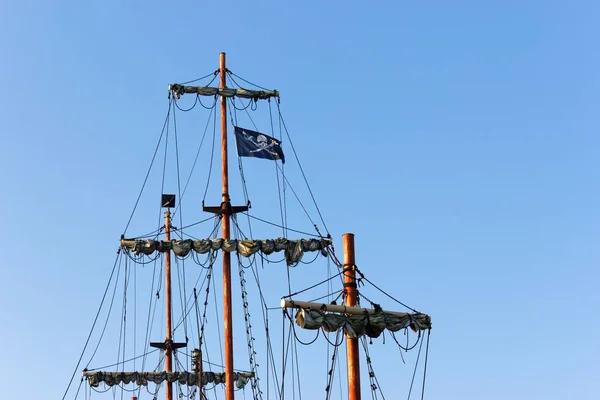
<point>177,90</point>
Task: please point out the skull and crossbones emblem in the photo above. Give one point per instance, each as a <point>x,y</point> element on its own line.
<point>262,143</point>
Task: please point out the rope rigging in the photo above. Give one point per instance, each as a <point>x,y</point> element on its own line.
<point>212,155</point>
<point>197,156</point>
<point>282,184</point>
<point>213,74</point>
<point>301,169</point>
<point>372,378</point>
<point>165,124</point>
<point>281,226</point>
<point>331,372</point>
<point>279,169</point>
<point>120,258</point>
<point>415,371</point>
<point>123,319</point>
<point>93,325</point>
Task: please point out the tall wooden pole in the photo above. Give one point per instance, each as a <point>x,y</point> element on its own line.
<point>168,340</point>
<point>226,207</point>
<point>351,301</point>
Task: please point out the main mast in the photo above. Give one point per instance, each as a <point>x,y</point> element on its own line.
<point>226,214</point>
<point>350,289</point>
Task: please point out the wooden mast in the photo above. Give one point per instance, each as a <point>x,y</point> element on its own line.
<point>168,340</point>
<point>351,299</point>
<point>225,212</point>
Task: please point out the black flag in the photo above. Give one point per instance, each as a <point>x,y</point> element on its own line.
<point>256,144</point>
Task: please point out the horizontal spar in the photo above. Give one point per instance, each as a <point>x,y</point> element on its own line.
<point>293,249</point>
<point>178,90</point>
<point>182,377</point>
<point>355,321</point>
<point>285,303</point>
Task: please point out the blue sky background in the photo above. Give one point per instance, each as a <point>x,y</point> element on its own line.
<point>457,140</point>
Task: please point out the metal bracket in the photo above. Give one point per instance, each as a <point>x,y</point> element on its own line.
<point>167,344</point>
<point>226,209</point>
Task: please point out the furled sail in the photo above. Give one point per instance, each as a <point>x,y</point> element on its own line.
<point>182,377</point>
<point>294,249</point>
<point>358,325</point>
<point>178,90</point>
<point>355,321</point>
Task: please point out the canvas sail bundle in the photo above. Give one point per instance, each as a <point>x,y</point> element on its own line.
<point>355,326</point>
<point>294,249</point>
<point>181,377</point>
<point>178,90</point>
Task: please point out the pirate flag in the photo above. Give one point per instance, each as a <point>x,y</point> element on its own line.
<point>255,144</point>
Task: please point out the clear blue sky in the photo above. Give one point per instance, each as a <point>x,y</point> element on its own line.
<point>462,137</point>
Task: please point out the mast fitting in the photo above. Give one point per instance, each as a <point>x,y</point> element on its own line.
<point>225,209</point>
<point>167,345</point>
